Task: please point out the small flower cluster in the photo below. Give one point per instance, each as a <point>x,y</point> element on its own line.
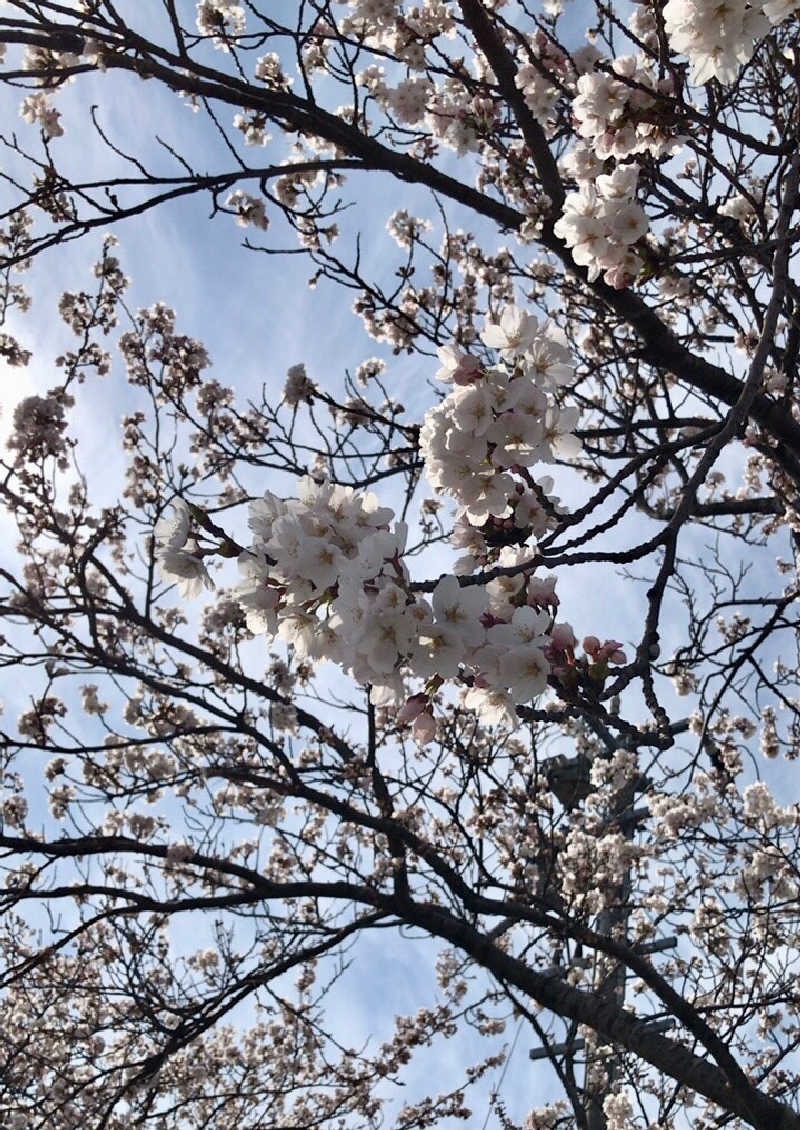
<point>269,70</point>
<point>299,385</point>
<point>221,19</point>
<point>254,128</point>
<point>737,207</point>
<point>325,574</point>
<point>619,118</point>
<point>51,70</point>
<point>592,665</point>
<point>248,210</point>
<point>618,1109</point>
<point>453,117</point>
<point>546,1117</point>
<point>408,101</point>
<point>499,420</point>
<point>601,222</point>
<point>12,352</point>
<point>406,229</point>
<point>540,94</point>
<point>303,547</point>
<point>39,427</point>
<point>533,79</point>
<point>718,37</point>
<point>38,109</point>
<point>449,110</point>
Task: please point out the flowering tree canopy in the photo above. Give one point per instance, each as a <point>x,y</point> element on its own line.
<point>329,677</point>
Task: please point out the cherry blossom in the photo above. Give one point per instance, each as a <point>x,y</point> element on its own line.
<point>601,223</point>
<point>186,568</point>
<point>513,334</point>
<point>172,531</point>
<point>718,38</point>
<point>502,616</point>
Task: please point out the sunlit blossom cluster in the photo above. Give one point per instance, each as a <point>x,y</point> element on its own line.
<point>221,19</point>
<point>408,101</point>
<point>39,427</point>
<point>718,37</point>
<point>178,556</point>
<point>248,210</point>
<point>533,78</point>
<point>617,115</point>
<point>326,574</point>
<point>601,222</point>
<point>499,420</point>
<point>37,109</point>
<point>403,32</point>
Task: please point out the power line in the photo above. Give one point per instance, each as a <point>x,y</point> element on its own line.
<point>503,1072</point>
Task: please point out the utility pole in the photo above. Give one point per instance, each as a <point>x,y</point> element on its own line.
<point>612,921</point>
<point>569,780</point>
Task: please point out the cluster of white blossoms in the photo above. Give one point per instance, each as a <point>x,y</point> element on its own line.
<point>619,110</point>
<point>618,1109</point>
<point>717,36</point>
<point>448,110</point>
<point>222,19</point>
<point>737,207</point>
<point>37,109</point>
<point>617,114</point>
<point>248,209</point>
<point>533,79</point>
<point>305,549</point>
<point>408,101</point>
<point>540,93</point>
<point>394,29</point>
<point>269,70</point>
<point>326,574</point>
<point>39,427</point>
<point>601,222</point>
<point>498,419</point>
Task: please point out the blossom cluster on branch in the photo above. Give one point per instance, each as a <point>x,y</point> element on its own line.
<point>326,574</point>
<point>719,36</point>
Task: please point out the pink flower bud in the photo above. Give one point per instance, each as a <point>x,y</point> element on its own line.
<point>413,706</point>
<point>591,645</point>
<point>424,728</point>
<point>563,637</point>
<point>618,657</point>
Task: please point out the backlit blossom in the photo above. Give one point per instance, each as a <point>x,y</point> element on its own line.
<point>171,531</point>
<point>185,568</point>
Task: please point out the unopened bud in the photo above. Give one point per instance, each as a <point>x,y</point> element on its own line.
<point>424,728</point>
<point>411,709</point>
